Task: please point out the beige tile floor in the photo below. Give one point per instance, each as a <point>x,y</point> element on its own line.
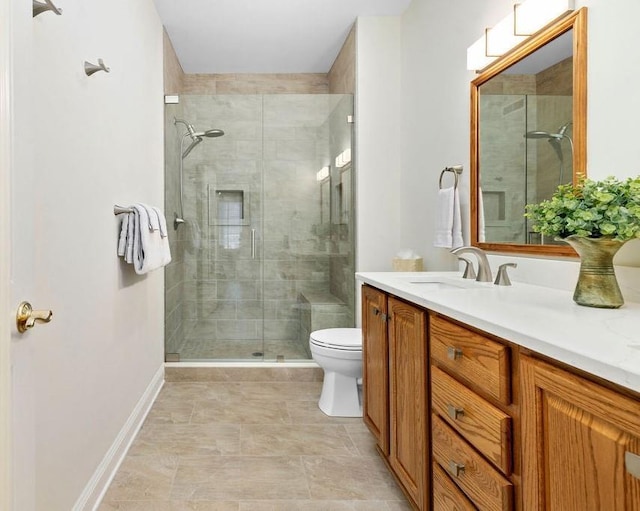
<point>250,446</point>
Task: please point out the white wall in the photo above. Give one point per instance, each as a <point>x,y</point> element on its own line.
<point>378,163</point>
<point>81,145</point>
<point>435,112</point>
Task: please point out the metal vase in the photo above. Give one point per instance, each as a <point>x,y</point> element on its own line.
<point>597,284</point>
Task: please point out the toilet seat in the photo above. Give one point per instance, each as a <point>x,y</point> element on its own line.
<point>343,339</point>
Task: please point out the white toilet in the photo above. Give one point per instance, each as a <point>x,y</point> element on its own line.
<point>339,352</point>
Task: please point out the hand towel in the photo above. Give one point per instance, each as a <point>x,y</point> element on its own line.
<point>122,240</point>
<point>150,248</point>
<point>131,229</point>
<point>456,228</point>
<point>162,222</point>
<point>448,232</point>
<point>154,221</point>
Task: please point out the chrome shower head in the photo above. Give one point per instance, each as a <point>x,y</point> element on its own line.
<point>196,136</point>
<point>214,133</point>
<point>543,134</point>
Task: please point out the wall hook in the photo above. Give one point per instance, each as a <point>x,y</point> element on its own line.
<point>90,68</point>
<point>40,7</point>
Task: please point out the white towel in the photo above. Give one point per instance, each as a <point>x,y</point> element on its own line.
<point>149,248</point>
<point>143,239</point>
<point>162,223</point>
<point>456,230</point>
<point>448,232</point>
<point>131,229</point>
<point>122,240</point>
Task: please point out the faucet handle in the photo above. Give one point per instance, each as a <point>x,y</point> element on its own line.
<point>502,279</point>
<point>469,271</point>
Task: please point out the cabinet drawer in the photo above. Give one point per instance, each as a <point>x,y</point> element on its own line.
<point>476,359</point>
<point>484,485</point>
<point>446,495</point>
<point>483,425</point>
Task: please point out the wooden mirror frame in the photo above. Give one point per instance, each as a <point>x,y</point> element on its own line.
<point>578,22</point>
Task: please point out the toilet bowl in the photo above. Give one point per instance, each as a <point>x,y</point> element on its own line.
<point>339,352</point>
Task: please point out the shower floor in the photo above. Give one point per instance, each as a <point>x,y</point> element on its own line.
<point>198,349</point>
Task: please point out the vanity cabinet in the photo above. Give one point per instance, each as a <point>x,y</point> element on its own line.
<point>581,447</point>
<point>472,415</point>
<point>408,399</point>
<point>395,398</point>
<point>375,366</point>
<point>469,421</point>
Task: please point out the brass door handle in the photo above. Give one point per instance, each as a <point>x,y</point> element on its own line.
<point>26,316</point>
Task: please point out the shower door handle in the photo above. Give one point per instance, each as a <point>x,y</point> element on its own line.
<point>253,243</point>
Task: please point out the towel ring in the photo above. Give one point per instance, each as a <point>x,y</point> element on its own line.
<point>456,169</point>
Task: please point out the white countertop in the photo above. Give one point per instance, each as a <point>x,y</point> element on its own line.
<point>603,342</point>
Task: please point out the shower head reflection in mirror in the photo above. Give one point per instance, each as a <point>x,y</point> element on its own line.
<point>555,140</point>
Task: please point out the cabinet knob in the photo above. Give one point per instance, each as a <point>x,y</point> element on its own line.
<point>454,412</point>
<point>454,353</point>
<point>456,469</point>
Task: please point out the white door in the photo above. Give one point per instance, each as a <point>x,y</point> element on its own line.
<point>5,323</point>
<point>19,249</point>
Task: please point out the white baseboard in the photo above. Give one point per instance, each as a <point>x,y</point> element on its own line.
<point>99,483</point>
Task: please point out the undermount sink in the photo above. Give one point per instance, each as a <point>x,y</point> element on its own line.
<point>434,284</point>
<point>439,282</point>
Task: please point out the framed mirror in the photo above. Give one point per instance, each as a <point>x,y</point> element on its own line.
<point>528,135</point>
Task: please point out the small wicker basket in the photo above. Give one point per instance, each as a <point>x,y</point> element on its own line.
<point>407,264</point>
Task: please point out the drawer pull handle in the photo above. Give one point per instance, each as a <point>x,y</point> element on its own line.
<point>456,469</point>
<point>454,412</point>
<point>454,353</point>
<point>632,462</point>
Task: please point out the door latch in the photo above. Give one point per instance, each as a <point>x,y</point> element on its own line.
<point>26,317</point>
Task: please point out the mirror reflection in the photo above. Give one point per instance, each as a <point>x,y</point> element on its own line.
<point>528,126</point>
<point>525,137</point>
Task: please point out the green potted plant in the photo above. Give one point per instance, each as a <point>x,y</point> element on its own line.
<point>596,218</point>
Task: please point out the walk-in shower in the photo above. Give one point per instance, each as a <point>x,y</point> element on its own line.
<point>266,251</point>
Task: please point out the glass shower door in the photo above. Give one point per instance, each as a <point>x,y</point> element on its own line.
<point>216,285</point>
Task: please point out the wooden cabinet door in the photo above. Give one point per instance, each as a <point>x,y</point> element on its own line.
<point>409,455</point>
<point>576,436</point>
<point>375,367</point>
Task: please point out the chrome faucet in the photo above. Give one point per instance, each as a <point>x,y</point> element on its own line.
<point>484,268</point>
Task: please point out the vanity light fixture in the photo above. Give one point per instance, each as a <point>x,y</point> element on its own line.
<point>322,174</point>
<point>526,19</point>
<point>532,15</point>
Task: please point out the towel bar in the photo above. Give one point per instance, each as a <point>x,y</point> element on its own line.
<point>118,210</point>
<point>456,169</point>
